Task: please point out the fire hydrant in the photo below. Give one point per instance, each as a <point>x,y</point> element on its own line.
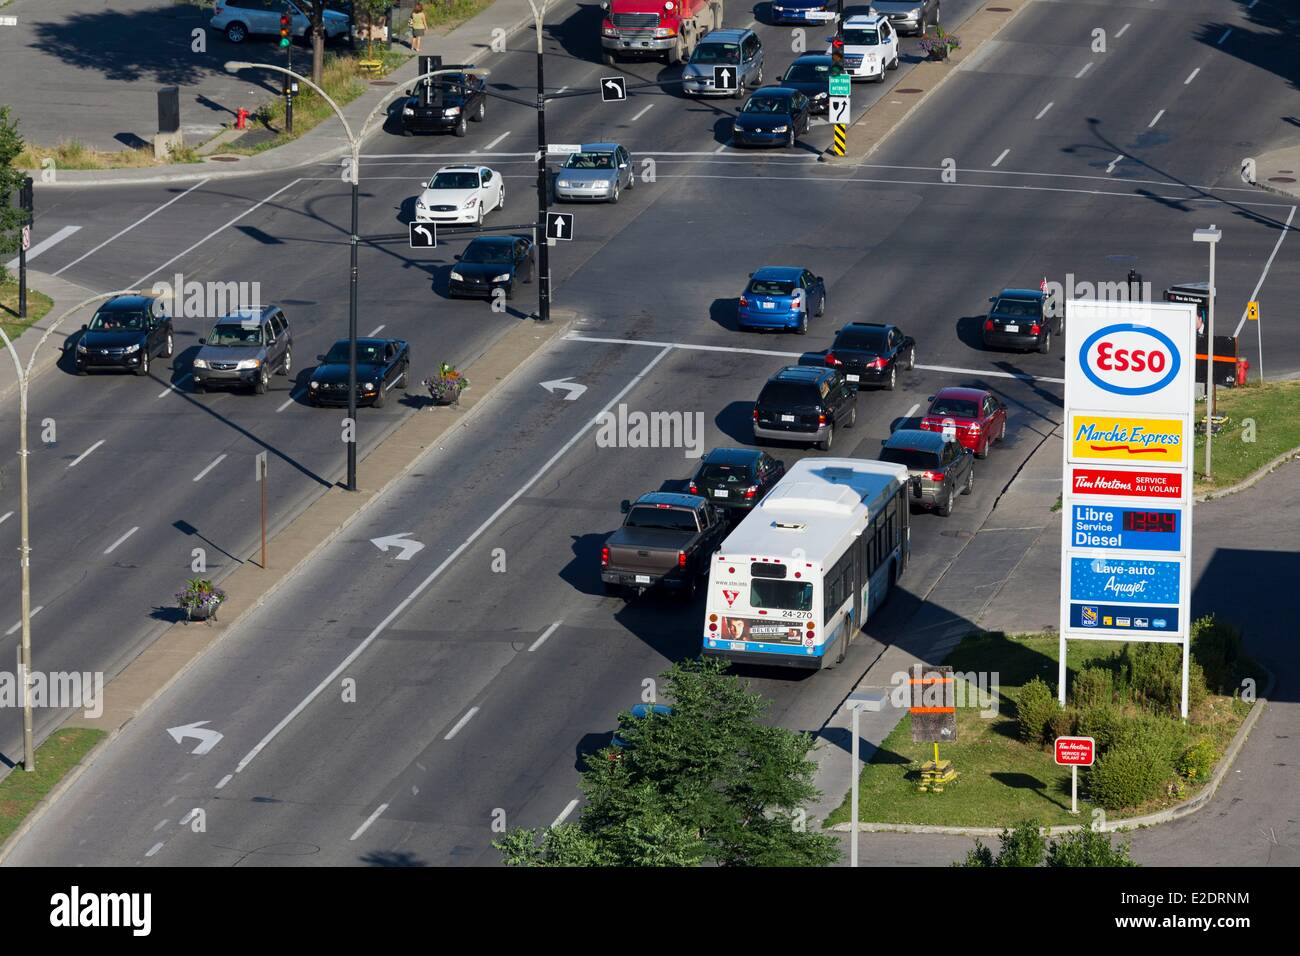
<point>241,118</point>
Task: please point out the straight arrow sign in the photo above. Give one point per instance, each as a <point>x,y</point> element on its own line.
<point>409,547</point>
<point>573,391</point>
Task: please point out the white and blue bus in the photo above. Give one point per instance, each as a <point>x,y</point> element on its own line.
<point>800,575</point>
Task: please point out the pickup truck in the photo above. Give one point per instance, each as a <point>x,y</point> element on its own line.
<point>666,541</point>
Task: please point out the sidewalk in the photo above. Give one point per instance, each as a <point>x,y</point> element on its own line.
<point>65,295</point>
<point>468,43</point>
<point>1278,171</point>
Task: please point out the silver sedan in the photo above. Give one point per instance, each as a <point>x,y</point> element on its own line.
<point>599,172</point>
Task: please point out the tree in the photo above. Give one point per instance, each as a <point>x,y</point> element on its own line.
<point>315,13</point>
<point>705,784</point>
<point>12,218</point>
<point>1024,846</point>
<point>1088,848</point>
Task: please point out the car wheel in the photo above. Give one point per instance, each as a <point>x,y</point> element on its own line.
<point>236,33</point>
<point>1002,433</point>
<point>480,214</point>
<point>461,126</point>
<point>287,365</point>
<point>380,396</point>
<point>169,347</point>
<point>911,358</point>
<point>501,198</point>
<point>802,327</point>
<point>80,370</point>
<point>1045,345</point>
<point>945,509</point>
<point>263,381</point>
<point>821,307</point>
<point>970,481</point>
<point>825,444</point>
<point>480,112</point>
<point>893,378</point>
<point>143,368</point>
<point>983,450</point>
<point>607,59</point>
<point>510,290</point>
<point>789,139</point>
<point>614,196</point>
<point>675,54</point>
<point>853,417</point>
<point>893,65</point>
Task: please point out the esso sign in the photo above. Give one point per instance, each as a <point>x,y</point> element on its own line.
<point>1129,359</point>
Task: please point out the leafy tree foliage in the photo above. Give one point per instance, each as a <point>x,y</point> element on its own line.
<point>11,181</point>
<point>1024,846</point>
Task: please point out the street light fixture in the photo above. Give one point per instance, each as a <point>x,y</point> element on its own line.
<point>1212,236</point>
<point>857,702</point>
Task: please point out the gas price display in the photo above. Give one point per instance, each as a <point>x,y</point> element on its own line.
<point>1159,521</point>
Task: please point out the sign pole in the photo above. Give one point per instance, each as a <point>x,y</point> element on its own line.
<point>1074,788</point>
<point>853,849</point>
<point>1252,313</point>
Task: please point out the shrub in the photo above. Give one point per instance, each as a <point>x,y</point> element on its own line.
<point>1155,674</point>
<point>1100,723</point>
<point>1087,848</point>
<point>1197,761</point>
<point>1093,687</point>
<point>1022,846</point>
<point>1197,690</point>
<point>1216,647</point>
<point>1062,723</point>
<point>1129,774</point>
<point>1035,705</point>
<point>1167,736</point>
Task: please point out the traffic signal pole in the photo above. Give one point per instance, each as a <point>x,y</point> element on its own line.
<point>27,202</point>
<point>543,186</point>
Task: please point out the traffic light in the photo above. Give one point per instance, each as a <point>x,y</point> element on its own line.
<point>284,31</point>
<point>837,55</point>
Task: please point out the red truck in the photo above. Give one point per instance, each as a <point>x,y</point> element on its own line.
<point>667,28</point>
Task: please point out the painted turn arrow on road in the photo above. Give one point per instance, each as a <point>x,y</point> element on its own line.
<point>409,547</point>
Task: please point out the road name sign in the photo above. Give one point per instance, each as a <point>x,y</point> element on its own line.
<point>841,85</point>
<point>563,149</point>
<point>423,235</point>
<point>559,226</point>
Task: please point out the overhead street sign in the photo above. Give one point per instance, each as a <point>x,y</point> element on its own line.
<point>562,149</point>
<point>559,225</point>
<point>423,235</point>
<point>841,85</point>
<point>724,78</point>
<point>613,89</point>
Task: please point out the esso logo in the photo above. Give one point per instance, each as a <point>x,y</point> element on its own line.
<point>1129,359</point>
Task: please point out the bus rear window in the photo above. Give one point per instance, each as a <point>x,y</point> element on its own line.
<point>761,570</point>
<point>781,595</point>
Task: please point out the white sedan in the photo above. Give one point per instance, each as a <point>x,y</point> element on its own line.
<point>460,194</point>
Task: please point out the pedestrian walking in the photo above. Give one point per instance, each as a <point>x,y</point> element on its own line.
<point>419,23</point>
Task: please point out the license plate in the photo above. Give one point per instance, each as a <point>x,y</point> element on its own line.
<point>852,378</point>
<point>721,493</point>
<point>1011,328</point>
<point>768,305</point>
<point>643,579</point>
<point>787,418</point>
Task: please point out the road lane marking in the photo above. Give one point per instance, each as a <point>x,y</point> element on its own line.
<point>495,141</point>
<point>1191,76</point>
<point>377,330</point>
<point>44,244</point>
<point>1226,33</point>
<point>1043,111</point>
<point>253,208</point>
<point>1122,30</point>
<point>564,814</point>
<point>287,402</point>
<point>161,824</point>
<point>469,714</point>
<point>369,820</point>
<point>1268,265</point>
<point>1086,67</point>
<point>646,109</point>
<point>911,411</point>
<point>122,232</point>
<point>218,460</point>
<point>1114,162</point>
<point>1155,119</point>
<point>545,634</point>
<point>1001,156</point>
<point>224,780</point>
<point>34,611</point>
<point>719,149</point>
<point>113,547</point>
<point>154,849</point>
<point>6,516</point>
<point>76,461</point>
<point>174,386</point>
<point>447,562</point>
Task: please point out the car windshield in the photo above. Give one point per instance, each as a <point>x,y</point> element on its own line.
<point>914,459</point>
<point>771,287</point>
<point>955,407</point>
<point>789,395</point>
<point>118,321</point>
<point>767,104</point>
<point>486,252</point>
<point>590,161</point>
<point>862,36</point>
<point>1021,308</point>
<point>716,53</point>
<point>808,73</point>
<point>231,334</point>
<point>366,354</point>
<point>665,519</point>
<point>725,473</point>
<point>455,181</point>
<point>872,342</point>
<point>780,595</point>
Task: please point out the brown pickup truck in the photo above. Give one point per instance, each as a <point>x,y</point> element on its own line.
<point>666,541</point>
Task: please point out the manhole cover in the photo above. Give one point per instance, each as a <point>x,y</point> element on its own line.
<point>909,89</point>
<point>383,82</point>
<point>1281,179</point>
<point>224,159</point>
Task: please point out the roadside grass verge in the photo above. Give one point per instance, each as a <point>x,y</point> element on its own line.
<point>1002,779</point>
<point>38,306</point>
<point>1264,423</point>
<point>72,154</point>
<point>20,792</point>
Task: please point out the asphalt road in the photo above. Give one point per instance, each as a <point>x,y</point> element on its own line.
<point>307,773</point>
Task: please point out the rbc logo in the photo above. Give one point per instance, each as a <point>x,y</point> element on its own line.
<point>1089,616</point>
<point>1129,359</point>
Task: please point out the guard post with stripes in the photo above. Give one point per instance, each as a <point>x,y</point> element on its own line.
<point>837,144</point>
<point>840,86</point>
<point>934,721</point>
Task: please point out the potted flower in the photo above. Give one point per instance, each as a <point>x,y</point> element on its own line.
<point>938,47</point>
<point>199,599</point>
<point>447,385</point>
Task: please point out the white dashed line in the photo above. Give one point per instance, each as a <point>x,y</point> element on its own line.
<point>461,723</point>
<point>911,411</point>
<point>1086,67</point>
<point>1155,119</point>
<point>564,814</point>
<point>369,820</point>
<point>77,461</point>
<point>495,141</point>
<point>224,780</point>
<point>645,109</point>
<point>1114,162</point>
<point>6,516</point>
<point>287,402</point>
<point>376,331</point>
<point>720,149</point>
<point>122,232</point>
<point>1001,156</point>
<point>219,459</point>
<point>160,825</point>
<point>1226,33</point>
<point>113,547</point>
<point>1122,30</point>
<point>174,386</point>
<point>14,630</point>
<point>154,849</point>
<point>1043,111</point>
<point>545,634</point>
<point>1191,76</point>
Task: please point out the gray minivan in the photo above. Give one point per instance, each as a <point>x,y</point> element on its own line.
<point>243,350</point>
<point>737,48</point>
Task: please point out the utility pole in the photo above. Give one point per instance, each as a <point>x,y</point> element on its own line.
<point>27,201</point>
<point>543,185</point>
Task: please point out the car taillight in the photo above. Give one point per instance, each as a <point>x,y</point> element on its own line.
<point>926,424</point>
<point>932,476</point>
<point>796,303</point>
<point>604,557</point>
<point>744,301</point>
<point>751,491</point>
<point>974,426</point>
<point>755,414</point>
<point>821,419</point>
<point>832,360</point>
<point>681,559</point>
<point>694,489</point>
<point>1035,329</point>
<point>879,362</point>
<point>988,325</point>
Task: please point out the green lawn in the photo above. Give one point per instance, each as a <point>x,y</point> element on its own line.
<point>38,306</point>
<point>1240,449</point>
<point>20,792</point>
<point>1001,779</point>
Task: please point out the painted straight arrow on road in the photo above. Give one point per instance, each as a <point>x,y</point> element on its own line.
<point>409,547</point>
<point>573,390</point>
<point>207,738</point>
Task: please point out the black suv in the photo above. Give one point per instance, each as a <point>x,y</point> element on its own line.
<point>125,333</point>
<point>937,467</point>
<point>1022,319</point>
<point>454,99</point>
<point>804,404</point>
<point>867,353</point>
<point>736,478</point>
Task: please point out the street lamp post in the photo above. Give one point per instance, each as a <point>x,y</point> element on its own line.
<point>543,244</point>
<point>24,549</point>
<point>354,177</point>
<point>1212,236</point>
<point>858,702</point>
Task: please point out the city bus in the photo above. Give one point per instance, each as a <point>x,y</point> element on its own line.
<point>803,572</point>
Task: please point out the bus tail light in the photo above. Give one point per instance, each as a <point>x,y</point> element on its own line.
<point>681,559</point>
<point>604,557</point>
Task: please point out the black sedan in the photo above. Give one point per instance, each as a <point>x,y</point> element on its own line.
<point>382,365</point>
<point>810,74</point>
<point>772,116</point>
<point>126,332</point>
<point>868,353</point>
<point>492,262</point>
<point>1022,319</point>
<point>455,98</point>
<point>736,478</point>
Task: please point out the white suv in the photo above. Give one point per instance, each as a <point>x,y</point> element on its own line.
<point>240,19</point>
<point>870,46</point>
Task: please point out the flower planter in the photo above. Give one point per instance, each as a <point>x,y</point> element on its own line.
<point>445,389</point>
<point>201,613</point>
<point>199,600</point>
<point>939,53</point>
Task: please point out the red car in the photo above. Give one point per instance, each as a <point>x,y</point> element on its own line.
<point>973,415</point>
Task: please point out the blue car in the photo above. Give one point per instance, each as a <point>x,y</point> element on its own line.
<point>802,11</point>
<point>781,297</point>
<point>773,116</point>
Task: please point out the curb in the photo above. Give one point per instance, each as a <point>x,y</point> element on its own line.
<point>1252,479</point>
<point>556,330</point>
